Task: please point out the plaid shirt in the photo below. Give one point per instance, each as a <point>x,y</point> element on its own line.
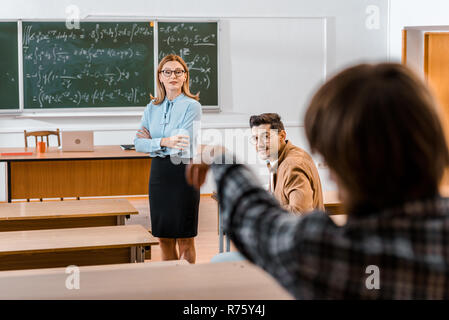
<point>313,258</point>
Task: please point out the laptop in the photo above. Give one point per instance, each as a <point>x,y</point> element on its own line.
<point>77,141</point>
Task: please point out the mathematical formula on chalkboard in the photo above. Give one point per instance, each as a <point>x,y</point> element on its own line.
<point>197,45</point>
<point>98,65</point>
<point>110,64</point>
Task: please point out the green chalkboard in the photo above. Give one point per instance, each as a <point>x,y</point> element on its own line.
<point>101,64</point>
<point>9,73</point>
<point>196,43</point>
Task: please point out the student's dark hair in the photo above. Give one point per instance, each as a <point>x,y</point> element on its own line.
<point>378,130</point>
<point>273,119</point>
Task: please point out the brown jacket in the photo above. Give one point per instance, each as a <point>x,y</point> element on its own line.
<point>297,183</point>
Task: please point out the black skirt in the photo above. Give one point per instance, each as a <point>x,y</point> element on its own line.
<point>173,203</point>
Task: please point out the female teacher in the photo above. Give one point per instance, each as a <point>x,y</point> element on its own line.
<point>167,134</point>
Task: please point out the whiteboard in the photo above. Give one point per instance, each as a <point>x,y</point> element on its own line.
<point>276,70</point>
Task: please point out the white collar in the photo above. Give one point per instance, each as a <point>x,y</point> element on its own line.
<point>273,165</point>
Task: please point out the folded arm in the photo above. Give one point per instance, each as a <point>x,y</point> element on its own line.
<point>143,140</point>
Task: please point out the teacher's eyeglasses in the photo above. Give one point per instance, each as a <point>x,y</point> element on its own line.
<point>167,73</point>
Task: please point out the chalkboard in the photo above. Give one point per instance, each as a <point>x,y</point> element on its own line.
<point>9,73</point>
<point>101,64</point>
<point>196,43</point>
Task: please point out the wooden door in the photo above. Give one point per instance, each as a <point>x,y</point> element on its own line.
<point>436,72</point>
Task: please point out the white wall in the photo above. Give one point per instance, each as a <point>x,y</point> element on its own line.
<point>414,13</point>
<point>326,35</point>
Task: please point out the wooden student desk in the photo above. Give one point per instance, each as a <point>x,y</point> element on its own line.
<point>332,203</point>
<point>77,246</point>
<point>220,281</point>
<point>106,171</point>
<point>64,214</point>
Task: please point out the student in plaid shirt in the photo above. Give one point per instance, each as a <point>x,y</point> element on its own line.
<point>378,130</point>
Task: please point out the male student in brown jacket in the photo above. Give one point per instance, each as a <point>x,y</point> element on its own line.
<point>294,179</point>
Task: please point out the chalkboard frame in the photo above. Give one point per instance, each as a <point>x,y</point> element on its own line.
<point>18,110</point>
<point>207,108</point>
<point>96,111</point>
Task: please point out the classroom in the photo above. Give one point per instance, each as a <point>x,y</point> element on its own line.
<point>115,115</point>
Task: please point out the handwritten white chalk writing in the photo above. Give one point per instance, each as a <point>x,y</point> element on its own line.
<point>100,64</point>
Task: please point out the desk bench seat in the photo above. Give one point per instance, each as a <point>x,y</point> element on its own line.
<point>64,214</point>
<point>78,246</point>
<point>217,281</point>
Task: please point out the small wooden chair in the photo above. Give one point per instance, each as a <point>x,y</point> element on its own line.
<point>41,134</point>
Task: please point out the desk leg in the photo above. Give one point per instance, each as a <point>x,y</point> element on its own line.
<point>137,254</point>
<point>222,234</point>
<point>220,231</point>
<point>132,255</point>
<point>8,177</point>
<point>147,254</point>
<point>120,220</point>
<point>140,254</point>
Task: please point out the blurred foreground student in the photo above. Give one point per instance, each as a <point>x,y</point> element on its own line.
<point>294,179</point>
<point>167,136</point>
<point>377,128</point>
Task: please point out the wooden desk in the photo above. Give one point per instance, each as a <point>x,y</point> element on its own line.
<point>64,214</point>
<point>221,281</point>
<point>107,171</point>
<point>332,203</point>
<point>78,246</point>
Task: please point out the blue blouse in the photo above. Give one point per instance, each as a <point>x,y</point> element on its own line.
<point>167,119</point>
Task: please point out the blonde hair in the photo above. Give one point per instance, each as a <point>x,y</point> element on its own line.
<point>160,87</point>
